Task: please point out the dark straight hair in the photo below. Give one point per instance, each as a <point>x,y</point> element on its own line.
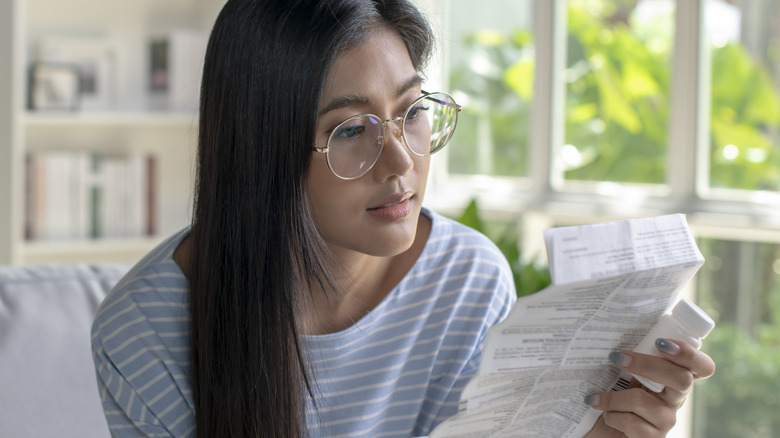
<point>256,252</point>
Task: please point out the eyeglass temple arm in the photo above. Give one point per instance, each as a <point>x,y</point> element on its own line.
<point>458,108</point>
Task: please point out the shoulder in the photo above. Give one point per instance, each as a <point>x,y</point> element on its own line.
<point>454,244</point>
<point>150,300</point>
<point>465,265</point>
<point>449,234</point>
<point>140,339</point>
<point>150,297</point>
<point>154,281</point>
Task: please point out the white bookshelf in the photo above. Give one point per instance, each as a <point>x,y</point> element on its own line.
<point>113,119</point>
<point>97,251</point>
<point>127,124</point>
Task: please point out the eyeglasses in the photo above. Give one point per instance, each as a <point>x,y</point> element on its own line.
<point>425,127</point>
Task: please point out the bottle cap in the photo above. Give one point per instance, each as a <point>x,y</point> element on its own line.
<point>689,314</point>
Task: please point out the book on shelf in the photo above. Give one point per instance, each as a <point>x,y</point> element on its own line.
<point>79,195</point>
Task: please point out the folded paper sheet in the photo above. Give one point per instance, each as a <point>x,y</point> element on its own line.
<point>611,283</point>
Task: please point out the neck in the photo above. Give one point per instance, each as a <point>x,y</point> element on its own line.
<point>363,281</point>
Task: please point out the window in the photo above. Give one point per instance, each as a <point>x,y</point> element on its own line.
<point>581,111</point>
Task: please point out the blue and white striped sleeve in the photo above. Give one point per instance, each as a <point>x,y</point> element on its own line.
<point>132,418</point>
<point>141,355</point>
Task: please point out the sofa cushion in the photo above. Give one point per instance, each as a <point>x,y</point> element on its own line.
<point>48,386</point>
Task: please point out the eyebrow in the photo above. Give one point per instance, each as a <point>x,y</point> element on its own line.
<point>345,101</point>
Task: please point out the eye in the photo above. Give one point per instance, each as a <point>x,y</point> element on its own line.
<point>349,131</point>
<point>415,111</point>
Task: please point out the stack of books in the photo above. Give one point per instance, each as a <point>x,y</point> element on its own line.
<point>79,195</point>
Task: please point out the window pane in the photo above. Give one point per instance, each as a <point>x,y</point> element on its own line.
<point>490,66</point>
<point>739,286</point>
<point>617,90</point>
<point>744,38</point>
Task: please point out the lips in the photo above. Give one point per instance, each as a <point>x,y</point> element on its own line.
<point>394,199</point>
<point>394,207</point>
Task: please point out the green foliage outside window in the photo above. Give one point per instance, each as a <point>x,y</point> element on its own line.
<point>743,397</point>
<point>617,101</point>
<point>745,117</point>
<point>617,105</point>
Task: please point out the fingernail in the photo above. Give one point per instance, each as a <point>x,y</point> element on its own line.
<point>667,346</point>
<point>592,400</point>
<point>620,359</point>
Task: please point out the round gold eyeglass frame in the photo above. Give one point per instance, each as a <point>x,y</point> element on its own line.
<point>401,133</point>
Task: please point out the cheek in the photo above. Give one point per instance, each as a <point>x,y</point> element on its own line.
<point>329,197</point>
<point>422,166</point>
<point>318,184</point>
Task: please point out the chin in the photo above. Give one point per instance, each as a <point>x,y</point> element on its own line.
<point>394,250</point>
<point>392,240</point>
<point>390,245</point>
<point>374,237</point>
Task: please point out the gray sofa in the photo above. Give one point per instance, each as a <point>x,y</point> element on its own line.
<point>47,381</point>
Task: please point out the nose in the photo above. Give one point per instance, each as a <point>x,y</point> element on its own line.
<point>395,158</point>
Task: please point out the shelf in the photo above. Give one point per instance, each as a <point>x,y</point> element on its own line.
<point>129,121</point>
<point>92,251</point>
<point>109,119</point>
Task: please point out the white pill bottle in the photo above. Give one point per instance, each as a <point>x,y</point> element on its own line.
<point>686,322</point>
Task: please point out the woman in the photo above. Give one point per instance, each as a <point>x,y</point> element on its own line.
<point>313,294</point>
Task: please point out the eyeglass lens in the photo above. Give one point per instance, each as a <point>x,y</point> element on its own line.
<point>355,145</point>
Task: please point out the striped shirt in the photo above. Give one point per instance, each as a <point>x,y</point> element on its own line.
<point>397,372</point>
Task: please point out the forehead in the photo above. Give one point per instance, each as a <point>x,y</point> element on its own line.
<point>375,68</point>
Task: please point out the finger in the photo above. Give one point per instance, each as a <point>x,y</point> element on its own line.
<point>635,412</point>
<point>655,368</point>
<point>699,363</point>
<point>678,365</point>
<point>600,429</point>
<point>671,396</point>
<point>627,423</point>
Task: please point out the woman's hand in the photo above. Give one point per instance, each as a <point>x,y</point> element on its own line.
<point>638,412</point>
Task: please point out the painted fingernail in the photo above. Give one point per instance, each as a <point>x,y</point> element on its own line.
<point>667,346</point>
<point>592,400</point>
<point>620,359</point>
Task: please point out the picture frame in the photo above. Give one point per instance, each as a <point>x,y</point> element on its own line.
<point>95,61</point>
<point>54,87</point>
<point>175,64</point>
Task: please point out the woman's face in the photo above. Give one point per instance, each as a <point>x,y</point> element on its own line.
<point>377,213</point>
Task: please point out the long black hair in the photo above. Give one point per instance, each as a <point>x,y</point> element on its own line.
<point>256,252</point>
